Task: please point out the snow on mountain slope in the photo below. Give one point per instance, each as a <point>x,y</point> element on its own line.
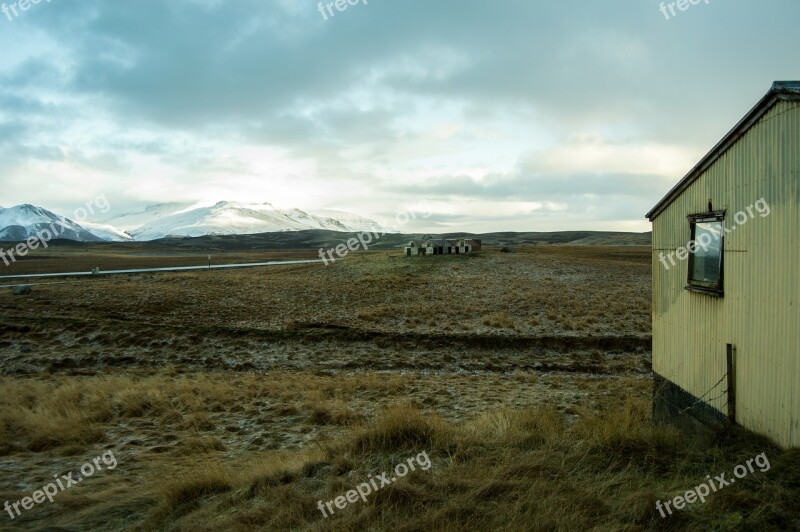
<point>25,221</point>
<point>227,218</point>
<point>108,233</point>
<point>132,221</point>
<point>350,220</point>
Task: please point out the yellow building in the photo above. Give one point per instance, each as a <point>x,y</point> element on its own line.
<point>726,294</point>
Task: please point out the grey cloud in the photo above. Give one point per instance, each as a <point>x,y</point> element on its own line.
<point>540,187</point>
<point>273,73</point>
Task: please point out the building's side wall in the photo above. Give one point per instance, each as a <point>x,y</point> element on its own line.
<point>760,312</point>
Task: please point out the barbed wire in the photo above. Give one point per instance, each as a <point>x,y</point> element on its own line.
<point>700,400</point>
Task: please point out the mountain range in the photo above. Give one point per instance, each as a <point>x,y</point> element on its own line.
<point>180,220</point>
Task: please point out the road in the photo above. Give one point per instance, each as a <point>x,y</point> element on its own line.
<point>151,270</point>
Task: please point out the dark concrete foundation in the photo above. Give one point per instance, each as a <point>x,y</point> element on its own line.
<point>675,406</point>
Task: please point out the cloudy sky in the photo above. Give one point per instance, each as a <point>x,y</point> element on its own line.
<point>518,115</point>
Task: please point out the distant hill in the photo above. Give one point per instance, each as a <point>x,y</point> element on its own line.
<point>319,238</point>
<point>315,239</point>
<point>232,226</point>
<point>573,238</point>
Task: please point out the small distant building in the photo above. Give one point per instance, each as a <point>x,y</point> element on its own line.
<point>468,246</point>
<point>442,246</point>
<point>416,247</point>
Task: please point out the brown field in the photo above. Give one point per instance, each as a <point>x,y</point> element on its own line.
<point>238,399</point>
<point>82,258</point>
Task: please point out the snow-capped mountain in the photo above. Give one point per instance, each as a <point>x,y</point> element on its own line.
<point>232,218</point>
<point>181,220</point>
<point>25,221</point>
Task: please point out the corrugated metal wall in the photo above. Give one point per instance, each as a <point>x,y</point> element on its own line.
<point>760,312</point>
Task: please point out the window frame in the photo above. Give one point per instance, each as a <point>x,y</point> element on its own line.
<point>715,289</point>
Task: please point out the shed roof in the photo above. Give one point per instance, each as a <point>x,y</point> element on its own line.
<point>781,90</point>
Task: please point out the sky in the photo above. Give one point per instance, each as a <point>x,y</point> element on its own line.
<point>502,115</point>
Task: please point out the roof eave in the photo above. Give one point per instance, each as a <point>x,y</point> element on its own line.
<point>777,93</point>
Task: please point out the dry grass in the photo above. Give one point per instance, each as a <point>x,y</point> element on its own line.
<point>237,400</point>
<point>184,465</point>
<point>507,470</point>
<point>501,320</point>
<point>200,413</point>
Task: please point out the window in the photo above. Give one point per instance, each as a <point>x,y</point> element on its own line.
<point>706,257</point>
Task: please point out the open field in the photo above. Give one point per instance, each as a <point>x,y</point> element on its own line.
<point>238,399</point>
<point>66,255</point>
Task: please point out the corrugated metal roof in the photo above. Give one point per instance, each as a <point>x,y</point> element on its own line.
<point>781,90</point>
<point>787,86</point>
